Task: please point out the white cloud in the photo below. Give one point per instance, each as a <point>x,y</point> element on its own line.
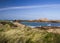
<point>36,6</point>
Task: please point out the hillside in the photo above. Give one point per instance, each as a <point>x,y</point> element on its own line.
<point>21,34</point>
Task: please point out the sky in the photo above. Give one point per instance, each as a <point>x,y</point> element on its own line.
<point>29,9</point>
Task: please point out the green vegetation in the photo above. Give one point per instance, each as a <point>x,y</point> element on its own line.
<point>11,34</point>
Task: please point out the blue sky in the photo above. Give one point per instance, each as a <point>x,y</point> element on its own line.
<point>29,9</point>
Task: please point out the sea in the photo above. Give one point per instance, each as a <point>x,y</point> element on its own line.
<point>39,24</point>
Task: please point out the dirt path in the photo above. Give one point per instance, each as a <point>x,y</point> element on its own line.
<point>19,25</point>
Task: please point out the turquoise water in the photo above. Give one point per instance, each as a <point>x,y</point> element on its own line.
<point>40,24</point>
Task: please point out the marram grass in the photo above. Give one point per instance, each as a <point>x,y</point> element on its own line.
<point>26,35</point>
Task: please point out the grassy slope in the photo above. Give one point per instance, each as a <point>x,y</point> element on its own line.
<point>10,34</point>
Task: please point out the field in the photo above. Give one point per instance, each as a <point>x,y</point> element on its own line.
<point>10,33</point>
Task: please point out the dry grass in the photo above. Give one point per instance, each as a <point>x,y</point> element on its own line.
<point>26,35</point>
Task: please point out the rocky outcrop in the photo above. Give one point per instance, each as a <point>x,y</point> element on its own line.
<point>50,29</point>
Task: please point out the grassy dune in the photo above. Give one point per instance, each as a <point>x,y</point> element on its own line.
<point>11,34</point>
